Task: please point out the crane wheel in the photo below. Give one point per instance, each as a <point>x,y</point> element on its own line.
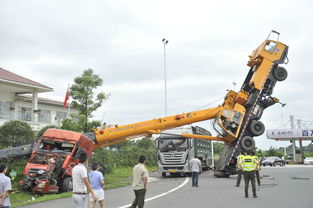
<point>247,143</point>
<point>257,128</point>
<point>280,73</point>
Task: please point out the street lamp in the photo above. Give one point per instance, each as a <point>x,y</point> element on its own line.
<point>234,83</point>
<point>165,42</point>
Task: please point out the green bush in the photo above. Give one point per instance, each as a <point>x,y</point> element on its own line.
<point>18,166</point>
<point>15,133</point>
<point>125,154</point>
<point>44,129</point>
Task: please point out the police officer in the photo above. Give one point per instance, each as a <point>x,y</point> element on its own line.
<point>257,168</point>
<point>239,167</point>
<point>248,167</point>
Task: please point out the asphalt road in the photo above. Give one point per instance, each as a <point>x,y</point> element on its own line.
<point>286,187</point>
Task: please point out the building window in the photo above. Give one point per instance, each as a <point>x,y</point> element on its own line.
<point>44,116</point>
<point>5,112</point>
<point>24,113</point>
<point>61,115</point>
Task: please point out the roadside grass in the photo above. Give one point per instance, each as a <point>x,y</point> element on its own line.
<point>119,177</point>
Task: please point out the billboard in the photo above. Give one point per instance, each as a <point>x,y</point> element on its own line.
<point>287,134</point>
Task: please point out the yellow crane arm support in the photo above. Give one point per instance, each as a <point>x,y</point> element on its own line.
<point>117,134</point>
<point>203,137</point>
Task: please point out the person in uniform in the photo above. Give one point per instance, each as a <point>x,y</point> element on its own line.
<point>248,166</point>
<point>257,168</point>
<point>239,167</point>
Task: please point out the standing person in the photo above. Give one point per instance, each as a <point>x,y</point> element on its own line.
<point>97,182</point>
<point>5,187</point>
<point>196,169</point>
<point>140,181</point>
<point>257,168</point>
<point>239,167</point>
<point>248,167</point>
<point>81,183</point>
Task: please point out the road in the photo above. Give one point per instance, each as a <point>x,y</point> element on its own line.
<point>288,187</point>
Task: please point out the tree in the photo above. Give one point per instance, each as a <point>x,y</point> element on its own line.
<point>145,143</point>
<point>69,124</point>
<point>15,133</point>
<point>84,97</point>
<point>273,152</point>
<point>44,129</point>
<point>218,148</point>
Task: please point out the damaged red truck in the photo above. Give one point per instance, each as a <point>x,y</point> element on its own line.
<point>64,147</point>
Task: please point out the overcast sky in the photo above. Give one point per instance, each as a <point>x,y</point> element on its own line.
<point>52,42</point>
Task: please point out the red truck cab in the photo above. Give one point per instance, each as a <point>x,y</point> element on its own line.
<point>64,147</point>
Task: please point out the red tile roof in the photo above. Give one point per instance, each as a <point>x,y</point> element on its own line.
<point>6,75</point>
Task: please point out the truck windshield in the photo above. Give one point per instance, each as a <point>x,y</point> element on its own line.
<point>219,129</point>
<point>237,117</point>
<point>59,147</point>
<point>270,46</point>
<point>228,123</point>
<point>166,145</point>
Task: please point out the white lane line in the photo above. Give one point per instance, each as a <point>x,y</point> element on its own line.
<point>151,179</point>
<point>160,195</point>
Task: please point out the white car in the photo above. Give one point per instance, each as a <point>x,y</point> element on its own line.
<point>308,161</point>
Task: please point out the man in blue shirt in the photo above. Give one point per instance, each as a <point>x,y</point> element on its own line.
<point>96,181</point>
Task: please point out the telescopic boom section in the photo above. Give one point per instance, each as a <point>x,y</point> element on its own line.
<point>117,134</point>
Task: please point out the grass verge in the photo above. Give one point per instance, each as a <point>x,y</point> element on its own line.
<point>119,177</point>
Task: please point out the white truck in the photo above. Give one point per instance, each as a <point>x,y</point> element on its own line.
<point>175,151</point>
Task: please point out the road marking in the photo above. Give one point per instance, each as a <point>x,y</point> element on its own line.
<point>151,179</point>
<point>160,195</point>
<point>288,166</point>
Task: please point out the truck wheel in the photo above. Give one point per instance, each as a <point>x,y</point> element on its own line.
<point>280,73</point>
<point>163,174</point>
<point>257,128</point>
<point>67,184</point>
<point>247,143</point>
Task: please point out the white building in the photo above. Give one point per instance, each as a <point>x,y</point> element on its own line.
<point>19,101</point>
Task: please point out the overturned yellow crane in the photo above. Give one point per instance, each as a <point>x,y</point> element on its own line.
<point>236,120</point>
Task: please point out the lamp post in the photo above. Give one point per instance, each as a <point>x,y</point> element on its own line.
<point>234,83</point>
<point>165,42</point>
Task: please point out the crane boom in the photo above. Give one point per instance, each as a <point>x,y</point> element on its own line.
<point>106,137</point>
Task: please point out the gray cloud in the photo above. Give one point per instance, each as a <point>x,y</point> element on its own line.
<point>52,42</point>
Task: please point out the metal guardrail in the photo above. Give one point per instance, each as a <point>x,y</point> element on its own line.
<point>16,152</point>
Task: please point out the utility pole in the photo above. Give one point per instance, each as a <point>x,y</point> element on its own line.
<point>234,83</point>
<point>292,120</point>
<point>165,42</point>
<point>300,141</point>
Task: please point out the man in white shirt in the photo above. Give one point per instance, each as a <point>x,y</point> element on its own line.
<point>81,183</point>
<point>140,181</point>
<point>196,169</point>
<point>5,187</point>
